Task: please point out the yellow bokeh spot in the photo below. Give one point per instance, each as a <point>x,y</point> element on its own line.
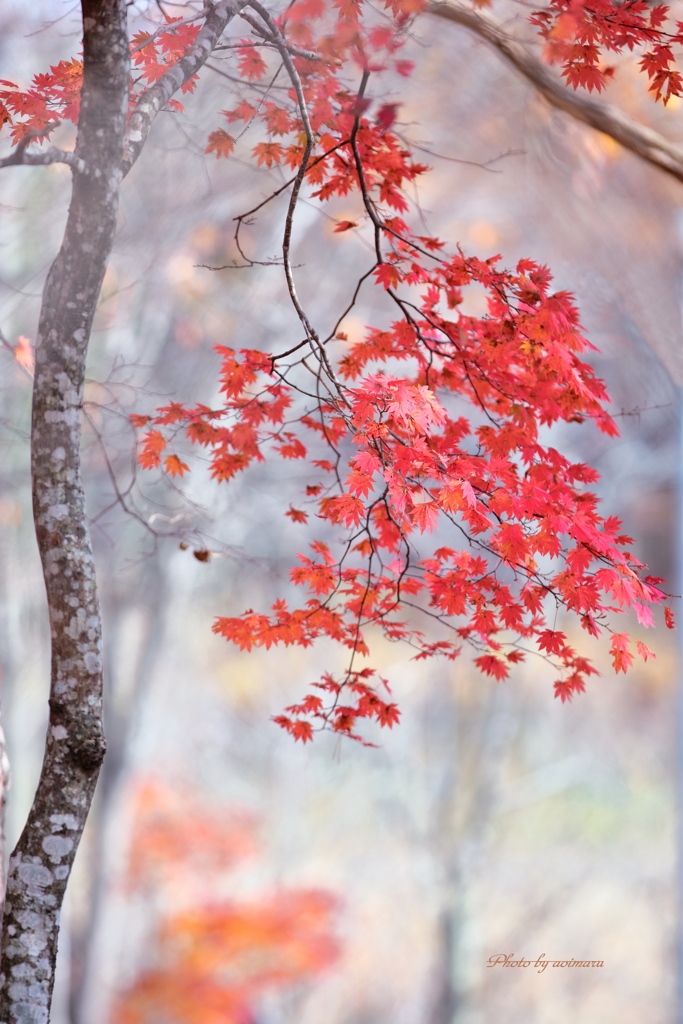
<point>608,145</point>
<point>205,238</point>
<point>484,234</point>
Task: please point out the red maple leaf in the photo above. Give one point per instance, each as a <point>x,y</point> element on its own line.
<point>621,655</point>
<point>551,641</point>
<point>296,515</point>
<point>490,665</point>
<point>386,116</point>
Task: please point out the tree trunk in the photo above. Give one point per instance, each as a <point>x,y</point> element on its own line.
<point>105,151</point>
<point>41,863</point>
<point>4,789</point>
<point>444,1006</point>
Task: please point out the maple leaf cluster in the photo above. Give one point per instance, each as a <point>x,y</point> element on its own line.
<point>153,54</point>
<point>219,959</point>
<point>54,96</point>
<point>579,34</point>
<point>213,960</point>
<point>391,456</point>
<point>164,849</point>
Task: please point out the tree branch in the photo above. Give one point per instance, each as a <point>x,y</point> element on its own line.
<point>157,96</point>
<point>296,188</point>
<point>639,139</point>
<point>50,156</point>
<point>295,51</point>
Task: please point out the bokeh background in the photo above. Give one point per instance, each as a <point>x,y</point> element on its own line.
<point>226,874</point>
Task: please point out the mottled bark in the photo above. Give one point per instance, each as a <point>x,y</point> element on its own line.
<point>4,789</point>
<point>50,156</point>
<point>41,863</point>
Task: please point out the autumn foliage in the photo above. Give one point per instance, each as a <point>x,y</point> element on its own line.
<point>54,96</point>
<point>579,36</point>
<point>212,957</point>
<point>433,479</point>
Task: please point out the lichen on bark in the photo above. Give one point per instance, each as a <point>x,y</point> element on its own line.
<point>106,149</point>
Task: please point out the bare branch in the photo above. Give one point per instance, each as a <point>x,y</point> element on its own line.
<point>50,156</point>
<point>240,81</point>
<point>244,218</point>
<point>639,139</point>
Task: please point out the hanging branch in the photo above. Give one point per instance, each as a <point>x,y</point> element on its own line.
<point>637,138</point>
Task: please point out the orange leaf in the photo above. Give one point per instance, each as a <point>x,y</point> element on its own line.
<point>252,64</point>
<point>139,421</point>
<point>268,153</point>
<point>174,466</point>
<point>302,731</point>
<point>23,353</point>
<point>153,445</point>
<point>220,143</point>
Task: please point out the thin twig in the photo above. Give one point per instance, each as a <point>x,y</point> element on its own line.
<point>296,51</point>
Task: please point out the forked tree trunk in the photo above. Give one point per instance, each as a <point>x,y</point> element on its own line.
<point>41,863</point>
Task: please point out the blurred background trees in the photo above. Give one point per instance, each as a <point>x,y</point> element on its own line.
<point>493,820</point>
